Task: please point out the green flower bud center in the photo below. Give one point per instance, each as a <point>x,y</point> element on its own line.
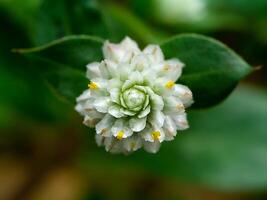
<point>133,98</point>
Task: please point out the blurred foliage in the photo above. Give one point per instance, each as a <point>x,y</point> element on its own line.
<point>206,15</point>
<point>68,17</point>
<point>225,148</point>
<point>25,93</point>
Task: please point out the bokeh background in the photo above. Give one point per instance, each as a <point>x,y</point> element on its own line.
<point>47,154</point>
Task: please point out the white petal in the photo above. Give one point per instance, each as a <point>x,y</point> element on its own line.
<point>156,100</point>
<point>169,128</point>
<point>97,70</point>
<point>92,118</point>
<point>112,145</point>
<point>84,96</point>
<point>132,143</point>
<point>137,124</point>
<point>105,124</point>
<point>101,89</point>
<point>173,105</point>
<point>90,122</point>
<point>93,70</point>
<point>161,133</point>
<point>181,121</point>
<point>85,106</point>
<point>172,69</point>
<point>155,52</point>
<point>157,118</point>
<point>140,62</point>
<point>146,102</point>
<point>102,104</point>
<point>79,109</point>
<point>99,139</point>
<point>121,126</point>
<point>141,88</point>
<point>115,95</point>
<point>104,71</point>
<point>136,77</point>
<point>113,52</point>
<point>114,83</point>
<point>112,67</point>
<point>184,93</point>
<point>127,56</point>
<point>128,43</point>
<point>163,86</point>
<point>88,105</point>
<point>114,110</point>
<point>144,112</point>
<point>123,71</point>
<point>152,147</point>
<point>146,134</point>
<point>127,84</point>
<point>152,134</point>
<point>127,112</point>
<point>120,52</point>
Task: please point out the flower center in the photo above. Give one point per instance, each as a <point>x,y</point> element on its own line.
<point>133,98</point>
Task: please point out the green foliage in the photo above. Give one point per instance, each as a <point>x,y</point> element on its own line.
<point>67,82</point>
<point>67,17</point>
<point>24,95</point>
<point>73,51</point>
<point>212,69</point>
<point>65,60</point>
<point>121,21</point>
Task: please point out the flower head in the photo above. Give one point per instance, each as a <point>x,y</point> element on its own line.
<point>132,99</point>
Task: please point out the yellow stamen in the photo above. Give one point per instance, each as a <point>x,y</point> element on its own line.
<point>155,135</point>
<point>169,84</point>
<point>120,135</point>
<point>166,67</point>
<point>93,86</point>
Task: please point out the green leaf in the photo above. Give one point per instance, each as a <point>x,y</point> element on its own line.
<point>72,51</point>
<point>67,83</point>
<point>225,148</point>
<point>212,70</point>
<point>63,63</point>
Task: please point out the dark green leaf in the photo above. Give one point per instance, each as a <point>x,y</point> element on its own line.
<point>72,51</point>
<point>67,83</point>
<point>212,69</point>
<point>63,63</point>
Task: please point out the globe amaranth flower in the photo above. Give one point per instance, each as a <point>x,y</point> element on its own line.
<point>132,99</point>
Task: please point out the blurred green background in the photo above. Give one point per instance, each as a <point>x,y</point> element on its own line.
<point>47,154</point>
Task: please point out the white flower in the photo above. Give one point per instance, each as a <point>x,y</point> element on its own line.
<point>133,100</point>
